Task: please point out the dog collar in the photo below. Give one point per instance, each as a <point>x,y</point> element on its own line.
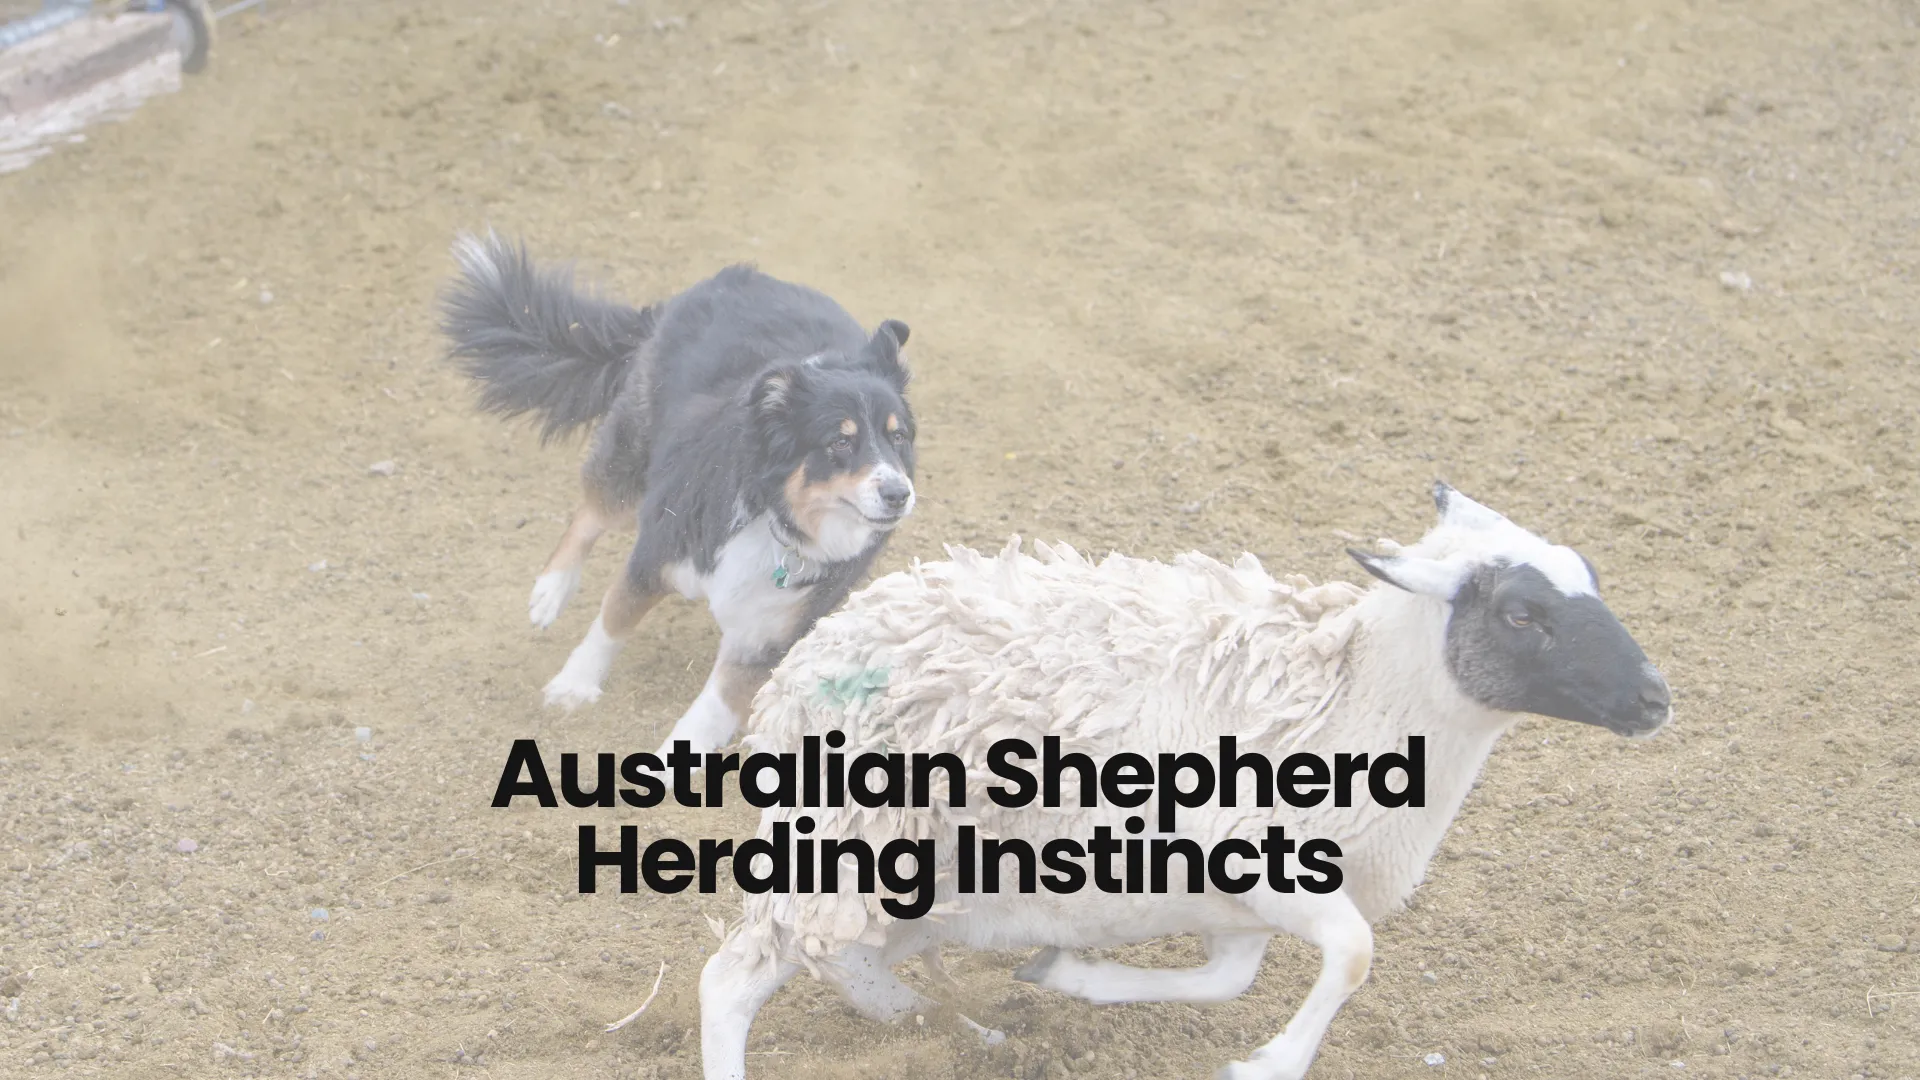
<point>788,550</point>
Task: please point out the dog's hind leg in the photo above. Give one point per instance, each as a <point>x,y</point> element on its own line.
<point>561,576</point>
<point>614,478</point>
<point>586,668</point>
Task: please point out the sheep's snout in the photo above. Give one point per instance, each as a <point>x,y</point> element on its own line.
<point>1656,704</point>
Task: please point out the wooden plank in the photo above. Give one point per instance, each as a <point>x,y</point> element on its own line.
<point>75,57</point>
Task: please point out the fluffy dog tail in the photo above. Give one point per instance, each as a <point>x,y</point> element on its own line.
<point>534,342</point>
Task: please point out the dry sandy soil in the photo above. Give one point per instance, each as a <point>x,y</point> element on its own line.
<point>1180,275</point>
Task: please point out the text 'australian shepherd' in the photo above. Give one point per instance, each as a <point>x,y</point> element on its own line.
<point>758,434</point>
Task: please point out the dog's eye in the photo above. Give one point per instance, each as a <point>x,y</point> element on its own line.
<point>899,437</point>
<point>841,445</point>
<point>1519,620</point>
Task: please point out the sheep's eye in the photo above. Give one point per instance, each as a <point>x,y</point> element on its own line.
<point>1519,620</point>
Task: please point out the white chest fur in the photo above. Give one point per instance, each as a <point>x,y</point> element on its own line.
<point>741,590</point>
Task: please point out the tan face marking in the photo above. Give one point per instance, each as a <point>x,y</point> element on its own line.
<point>893,423</point>
<point>848,427</point>
<point>811,503</point>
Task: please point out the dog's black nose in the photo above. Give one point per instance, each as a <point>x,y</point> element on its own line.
<point>894,493</point>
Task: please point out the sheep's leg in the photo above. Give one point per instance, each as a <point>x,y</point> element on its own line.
<point>916,938</point>
<point>1232,962</point>
<point>865,980</point>
<point>871,988</point>
<point>1345,940</point>
<point>937,971</point>
<point>733,986</point>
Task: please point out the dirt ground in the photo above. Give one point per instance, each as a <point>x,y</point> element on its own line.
<point>1197,275</point>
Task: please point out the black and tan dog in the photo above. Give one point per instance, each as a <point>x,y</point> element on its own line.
<point>758,434</point>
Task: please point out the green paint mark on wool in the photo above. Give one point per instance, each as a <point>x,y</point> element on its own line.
<point>853,689</point>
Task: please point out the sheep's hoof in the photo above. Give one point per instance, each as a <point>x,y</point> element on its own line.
<point>1263,1066</point>
<point>989,1036</point>
<point>1037,965</point>
<point>937,971</point>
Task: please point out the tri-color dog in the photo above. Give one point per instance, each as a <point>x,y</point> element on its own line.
<point>759,437</point>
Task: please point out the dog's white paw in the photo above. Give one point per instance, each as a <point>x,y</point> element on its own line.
<point>708,724</point>
<point>700,748</point>
<point>570,693</point>
<point>551,592</point>
<point>586,668</point>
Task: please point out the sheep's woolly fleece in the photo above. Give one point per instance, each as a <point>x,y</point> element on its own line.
<point>956,655</point>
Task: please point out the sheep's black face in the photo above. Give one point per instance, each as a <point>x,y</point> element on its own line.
<point>1527,631</point>
<point>1517,643</point>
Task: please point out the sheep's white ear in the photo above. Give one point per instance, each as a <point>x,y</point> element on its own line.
<point>1457,509</point>
<point>1428,577</point>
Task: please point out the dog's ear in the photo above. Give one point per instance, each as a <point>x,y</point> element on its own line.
<point>885,350</point>
<point>774,391</point>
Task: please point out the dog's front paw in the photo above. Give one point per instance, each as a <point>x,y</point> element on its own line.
<point>550,595</point>
<point>569,693</point>
<point>707,725</point>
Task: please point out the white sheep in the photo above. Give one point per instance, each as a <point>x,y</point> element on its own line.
<point>1478,623</point>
